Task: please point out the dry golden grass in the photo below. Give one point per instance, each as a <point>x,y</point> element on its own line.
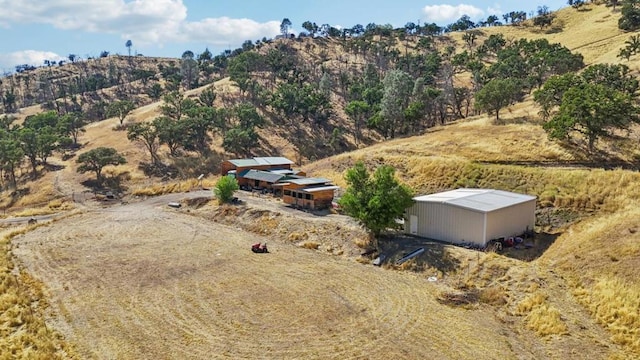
<point>313,245</point>
<point>172,187</point>
<point>546,320</point>
<point>22,303</point>
<point>493,295</point>
<point>296,236</point>
<point>541,317</point>
<point>52,207</point>
<point>616,305</point>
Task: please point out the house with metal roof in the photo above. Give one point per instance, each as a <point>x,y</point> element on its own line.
<point>470,215</point>
<point>309,193</point>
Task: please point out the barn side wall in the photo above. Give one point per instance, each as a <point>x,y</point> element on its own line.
<point>511,221</point>
<point>444,222</point>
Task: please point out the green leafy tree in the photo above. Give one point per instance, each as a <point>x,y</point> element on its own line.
<point>544,18</point>
<point>42,120</point>
<point>225,187</point>
<point>11,155</point>
<point>239,141</point>
<point>630,15</point>
<point>207,97</point>
<point>325,84</point>
<point>146,134</point>
<point>9,101</point>
<point>592,110</point>
<point>96,159</point>
<point>171,133</point>
<point>376,201</point>
<point>550,95</point>
<point>129,44</point>
<point>198,124</point>
<point>120,109</point>
<point>72,125</point>
<point>176,105</point>
<point>241,66</point>
<point>533,62</point>
<point>576,4</point>
<point>398,87</point>
<point>48,141</point>
<point>285,26</point>
<point>37,144</point>
<point>189,69</point>
<point>29,145</point>
<point>497,94</point>
<point>155,91</point>
<point>312,28</point>
<point>357,110</point>
<point>615,76</point>
<point>248,116</point>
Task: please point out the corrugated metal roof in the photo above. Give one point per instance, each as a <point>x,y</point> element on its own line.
<point>321,188</point>
<point>261,175</point>
<point>273,160</point>
<point>256,161</point>
<point>243,162</point>
<point>483,200</point>
<point>283,171</point>
<point>309,181</point>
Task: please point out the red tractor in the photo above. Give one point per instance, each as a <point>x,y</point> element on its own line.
<point>259,248</point>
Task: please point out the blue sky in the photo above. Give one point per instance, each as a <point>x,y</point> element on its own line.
<point>35,30</point>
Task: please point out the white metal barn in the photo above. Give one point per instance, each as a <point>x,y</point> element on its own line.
<point>470,215</point>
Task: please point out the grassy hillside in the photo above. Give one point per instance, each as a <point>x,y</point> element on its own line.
<point>592,31</point>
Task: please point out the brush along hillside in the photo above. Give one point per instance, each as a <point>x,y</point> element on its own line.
<point>309,98</point>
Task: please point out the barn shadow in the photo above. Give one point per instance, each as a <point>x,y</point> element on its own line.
<point>436,254</point>
<point>538,245</point>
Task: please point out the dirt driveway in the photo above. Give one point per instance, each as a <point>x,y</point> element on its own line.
<point>143,281</point>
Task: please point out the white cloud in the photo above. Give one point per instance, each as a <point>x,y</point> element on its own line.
<point>495,10</point>
<point>31,57</point>
<point>444,12</point>
<point>224,30</point>
<point>142,21</point>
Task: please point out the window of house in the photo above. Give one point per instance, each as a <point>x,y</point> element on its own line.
<point>299,195</point>
<point>308,197</point>
<point>287,192</point>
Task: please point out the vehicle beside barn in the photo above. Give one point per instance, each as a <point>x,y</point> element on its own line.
<point>470,216</point>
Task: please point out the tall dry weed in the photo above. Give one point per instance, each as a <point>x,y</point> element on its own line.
<point>25,334</point>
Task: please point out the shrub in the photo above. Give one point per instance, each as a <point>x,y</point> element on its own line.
<point>225,187</point>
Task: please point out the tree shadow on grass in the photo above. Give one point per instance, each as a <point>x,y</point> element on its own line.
<point>113,184</point>
<point>13,198</point>
<point>53,167</point>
